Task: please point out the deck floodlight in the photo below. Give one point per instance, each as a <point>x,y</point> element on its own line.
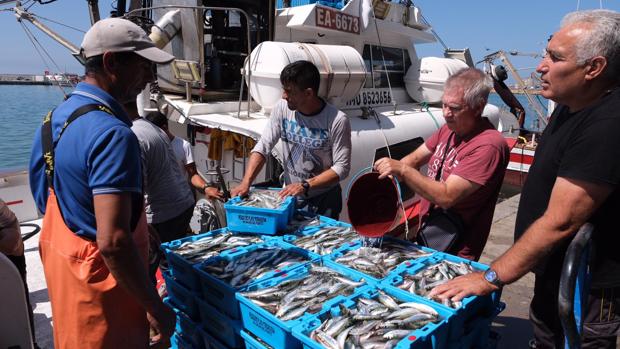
<point>188,72</point>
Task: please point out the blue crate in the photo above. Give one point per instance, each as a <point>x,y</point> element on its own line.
<point>286,244</point>
<point>182,269</point>
<point>210,342</point>
<point>350,272</point>
<point>432,335</point>
<point>253,343</point>
<point>185,327</point>
<point>268,327</point>
<point>354,245</point>
<point>220,326</point>
<point>313,230</point>
<point>222,296</point>
<point>259,220</point>
<point>475,335</point>
<point>181,297</point>
<point>472,308</point>
<point>412,245</point>
<point>178,341</point>
<point>217,292</point>
<point>333,222</point>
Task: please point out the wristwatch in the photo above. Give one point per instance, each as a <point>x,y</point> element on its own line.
<point>491,277</point>
<point>306,186</point>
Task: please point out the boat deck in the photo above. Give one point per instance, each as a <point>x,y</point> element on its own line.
<point>512,324</point>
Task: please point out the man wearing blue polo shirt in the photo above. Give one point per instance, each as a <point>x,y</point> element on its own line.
<point>86,178</point>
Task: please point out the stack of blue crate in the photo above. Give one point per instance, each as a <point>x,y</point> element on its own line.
<point>213,314</point>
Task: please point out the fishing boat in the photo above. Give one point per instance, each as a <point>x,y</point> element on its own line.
<point>219,91</point>
<point>365,53</point>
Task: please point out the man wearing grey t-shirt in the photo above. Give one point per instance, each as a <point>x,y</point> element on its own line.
<point>315,141</point>
<point>169,200</point>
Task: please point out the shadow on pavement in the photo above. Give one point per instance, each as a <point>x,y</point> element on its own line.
<point>514,332</point>
<point>42,324</point>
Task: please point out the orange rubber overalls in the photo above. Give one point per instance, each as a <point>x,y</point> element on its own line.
<point>89,308</point>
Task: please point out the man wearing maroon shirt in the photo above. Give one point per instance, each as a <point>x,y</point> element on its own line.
<point>467,156</point>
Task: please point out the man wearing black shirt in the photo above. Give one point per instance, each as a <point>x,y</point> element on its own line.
<point>574,179</point>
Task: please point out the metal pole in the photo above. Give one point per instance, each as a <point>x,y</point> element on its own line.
<point>23,15</point>
<point>93,10</point>
<point>121,6</point>
<point>201,53</point>
<point>188,91</point>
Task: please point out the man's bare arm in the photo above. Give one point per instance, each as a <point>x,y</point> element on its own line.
<point>444,194</point>
<point>571,204</point>
<point>326,178</point>
<point>418,157</point>
<point>199,183</point>
<point>120,254</point>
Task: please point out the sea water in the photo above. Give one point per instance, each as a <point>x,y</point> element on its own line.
<point>531,120</point>
<point>22,109</point>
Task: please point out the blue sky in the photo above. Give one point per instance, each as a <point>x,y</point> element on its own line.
<point>482,25</point>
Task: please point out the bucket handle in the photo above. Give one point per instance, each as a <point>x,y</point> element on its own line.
<point>395,181</point>
<point>369,169</point>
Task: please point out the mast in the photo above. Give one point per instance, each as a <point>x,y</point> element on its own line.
<point>22,14</point>
<point>93,10</point>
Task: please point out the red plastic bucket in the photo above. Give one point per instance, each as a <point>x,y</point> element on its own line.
<point>373,204</point>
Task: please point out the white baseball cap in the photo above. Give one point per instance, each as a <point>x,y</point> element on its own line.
<point>121,35</point>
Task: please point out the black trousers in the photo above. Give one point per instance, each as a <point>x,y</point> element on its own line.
<point>328,204</point>
<point>172,229</point>
<point>601,318</point>
<point>175,228</point>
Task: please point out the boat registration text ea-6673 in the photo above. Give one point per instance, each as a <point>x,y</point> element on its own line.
<point>336,20</point>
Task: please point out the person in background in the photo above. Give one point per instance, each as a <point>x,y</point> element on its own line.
<point>12,246</point>
<point>169,200</point>
<point>573,180</point>
<point>183,154</point>
<point>466,159</point>
<point>316,140</point>
<point>85,176</point>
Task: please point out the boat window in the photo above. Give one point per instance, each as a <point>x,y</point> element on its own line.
<point>399,151</point>
<point>392,59</point>
<point>392,62</point>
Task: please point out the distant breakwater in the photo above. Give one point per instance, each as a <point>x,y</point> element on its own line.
<point>42,80</point>
<point>25,82</point>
